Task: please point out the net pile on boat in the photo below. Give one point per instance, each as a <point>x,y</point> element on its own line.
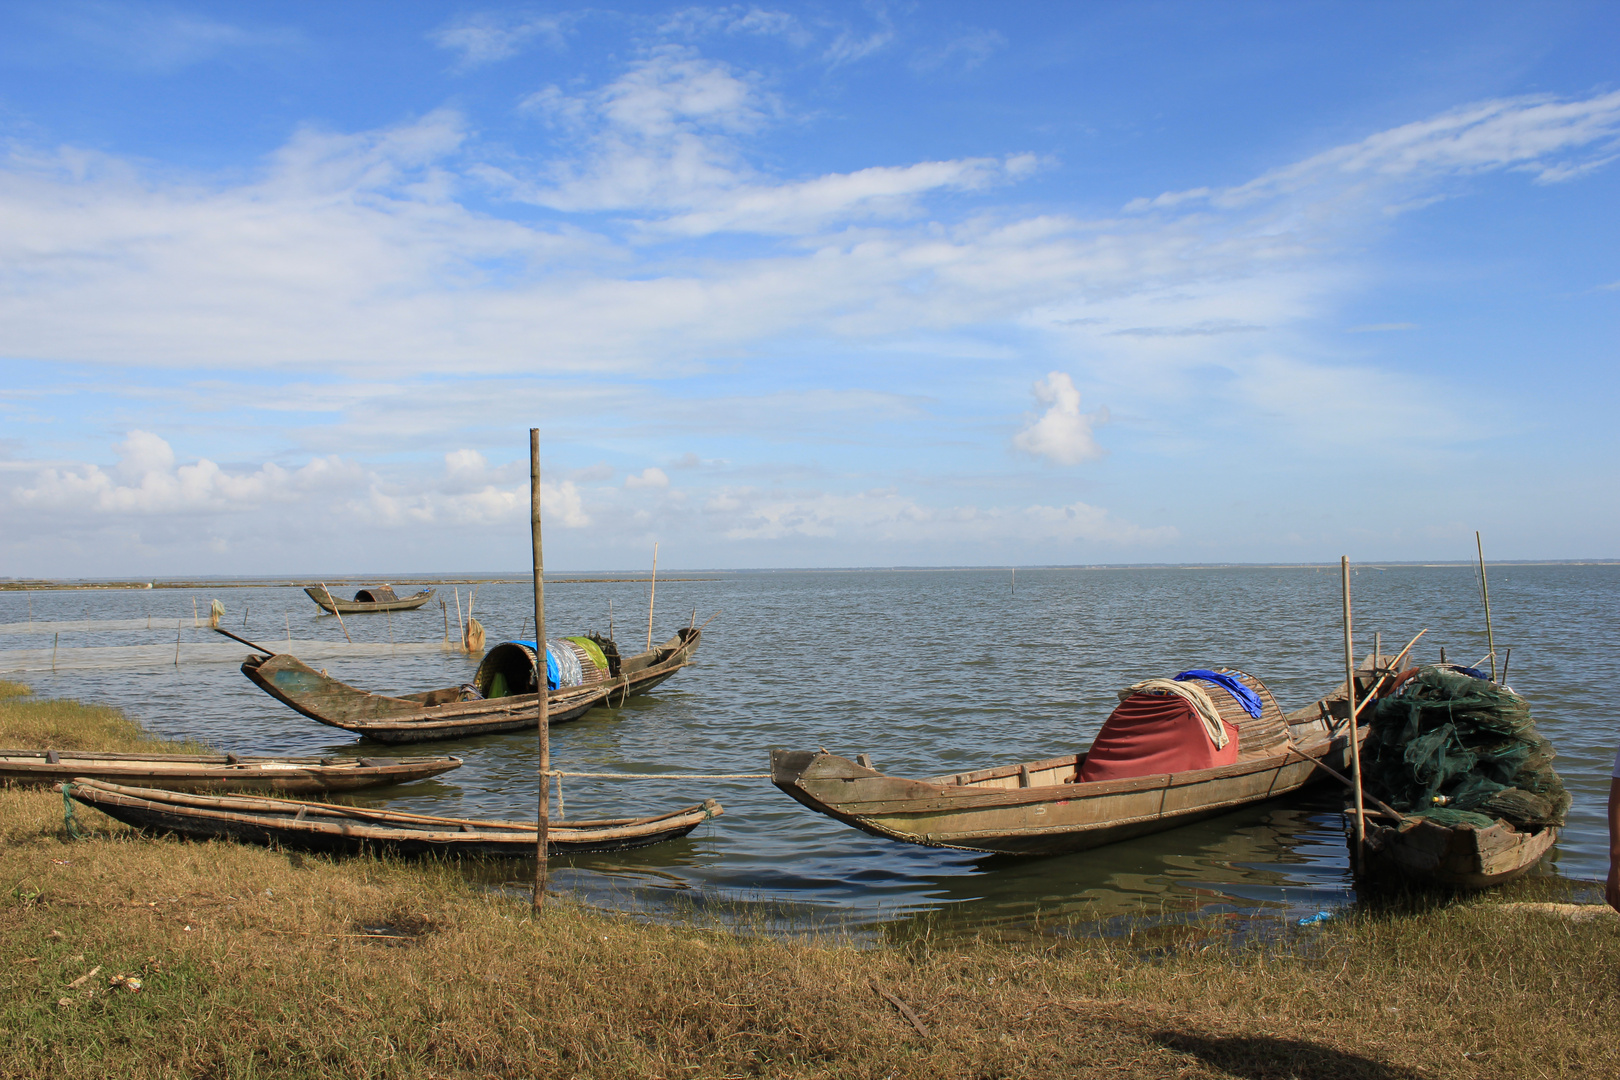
<point>1461,750</point>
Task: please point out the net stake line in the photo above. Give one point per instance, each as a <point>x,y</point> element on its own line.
<point>1355,739</point>
<point>335,611</point>
<point>1485,592</point>
<point>543,815</point>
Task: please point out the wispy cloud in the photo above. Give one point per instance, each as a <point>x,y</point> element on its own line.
<point>1382,327</point>
<point>158,37</point>
<point>488,37</point>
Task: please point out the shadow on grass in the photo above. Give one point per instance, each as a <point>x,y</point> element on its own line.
<point>1260,1057</point>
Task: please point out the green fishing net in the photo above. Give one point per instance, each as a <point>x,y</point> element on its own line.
<point>1448,745</point>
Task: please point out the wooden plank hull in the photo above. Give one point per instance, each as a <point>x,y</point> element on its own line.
<point>1040,808</point>
<point>438,715</point>
<point>990,812</point>
<point>1459,857</point>
<point>218,772</point>
<point>331,604</point>
<point>327,827</point>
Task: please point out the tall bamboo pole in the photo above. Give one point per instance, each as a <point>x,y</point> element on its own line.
<point>651,596</point>
<point>1355,740</point>
<point>544,816</point>
<point>1484,591</point>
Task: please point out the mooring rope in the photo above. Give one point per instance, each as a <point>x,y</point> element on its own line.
<point>67,811</point>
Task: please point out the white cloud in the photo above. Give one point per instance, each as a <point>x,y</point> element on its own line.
<point>147,483</point>
<point>650,477</point>
<point>1553,139</point>
<point>1062,434</point>
<point>885,516</point>
<point>485,38</point>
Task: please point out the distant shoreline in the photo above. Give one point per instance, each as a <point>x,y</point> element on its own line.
<point>607,577</point>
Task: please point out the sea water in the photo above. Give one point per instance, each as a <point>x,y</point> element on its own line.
<point>929,671</point>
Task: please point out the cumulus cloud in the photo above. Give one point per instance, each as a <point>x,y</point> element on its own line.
<point>1062,433</point>
<point>650,477</point>
<point>147,482</point>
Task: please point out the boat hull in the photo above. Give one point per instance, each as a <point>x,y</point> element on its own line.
<point>327,827</point>
<point>436,715</point>
<point>1052,816</point>
<point>332,605</point>
<point>218,772</point>
<point>1459,857</point>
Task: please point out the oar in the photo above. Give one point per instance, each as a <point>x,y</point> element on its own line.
<point>245,641</point>
<point>1382,806</point>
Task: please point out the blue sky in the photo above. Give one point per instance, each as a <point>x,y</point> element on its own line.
<point>282,287</point>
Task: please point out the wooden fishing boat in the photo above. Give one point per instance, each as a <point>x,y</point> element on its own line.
<point>319,826</point>
<point>1461,856</point>
<point>1042,807</point>
<point>442,714</point>
<point>219,772</point>
<point>371,598</point>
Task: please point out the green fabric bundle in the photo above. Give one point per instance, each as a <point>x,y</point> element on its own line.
<point>1446,743</point>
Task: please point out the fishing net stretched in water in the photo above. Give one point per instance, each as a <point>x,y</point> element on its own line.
<point>1457,749</point>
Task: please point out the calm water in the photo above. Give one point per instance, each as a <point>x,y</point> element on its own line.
<point>929,671</point>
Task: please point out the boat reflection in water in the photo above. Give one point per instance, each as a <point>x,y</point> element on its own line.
<point>1280,859</point>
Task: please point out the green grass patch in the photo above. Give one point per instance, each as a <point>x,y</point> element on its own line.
<point>27,724</point>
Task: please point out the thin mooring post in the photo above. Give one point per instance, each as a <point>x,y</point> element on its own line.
<point>544,816</point>
<point>652,594</point>
<point>1355,741</point>
<point>55,641</point>
<point>1485,591</point>
<point>1015,581</point>
<point>335,611</point>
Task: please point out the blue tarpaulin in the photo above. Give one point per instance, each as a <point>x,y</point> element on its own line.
<point>1245,697</point>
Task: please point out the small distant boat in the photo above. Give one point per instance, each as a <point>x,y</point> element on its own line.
<point>319,826</point>
<point>372,598</point>
<point>1046,808</point>
<point>488,705</point>
<point>219,772</point>
<point>1462,856</point>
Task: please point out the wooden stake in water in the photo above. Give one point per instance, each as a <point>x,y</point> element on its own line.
<point>288,619</point>
<point>54,642</point>
<point>338,613</point>
<point>1355,740</point>
<point>1015,581</point>
<point>445,611</point>
<point>543,826</point>
<point>194,609</point>
<point>1485,591</point>
<point>177,643</point>
<point>610,620</point>
<point>461,627</point>
<point>651,595</point>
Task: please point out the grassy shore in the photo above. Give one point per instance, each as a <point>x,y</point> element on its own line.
<point>260,963</point>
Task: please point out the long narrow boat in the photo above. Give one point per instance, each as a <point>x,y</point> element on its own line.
<point>374,598</point>
<point>219,772</point>
<point>441,714</point>
<point>319,826</point>
<point>1042,808</point>
<point>1460,856</point>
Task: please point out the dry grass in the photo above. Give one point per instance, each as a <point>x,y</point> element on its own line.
<point>68,725</point>
<point>260,963</point>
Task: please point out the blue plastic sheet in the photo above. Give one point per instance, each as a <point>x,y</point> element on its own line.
<point>1245,697</point>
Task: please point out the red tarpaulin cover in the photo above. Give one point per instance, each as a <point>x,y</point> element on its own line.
<point>1154,733</point>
